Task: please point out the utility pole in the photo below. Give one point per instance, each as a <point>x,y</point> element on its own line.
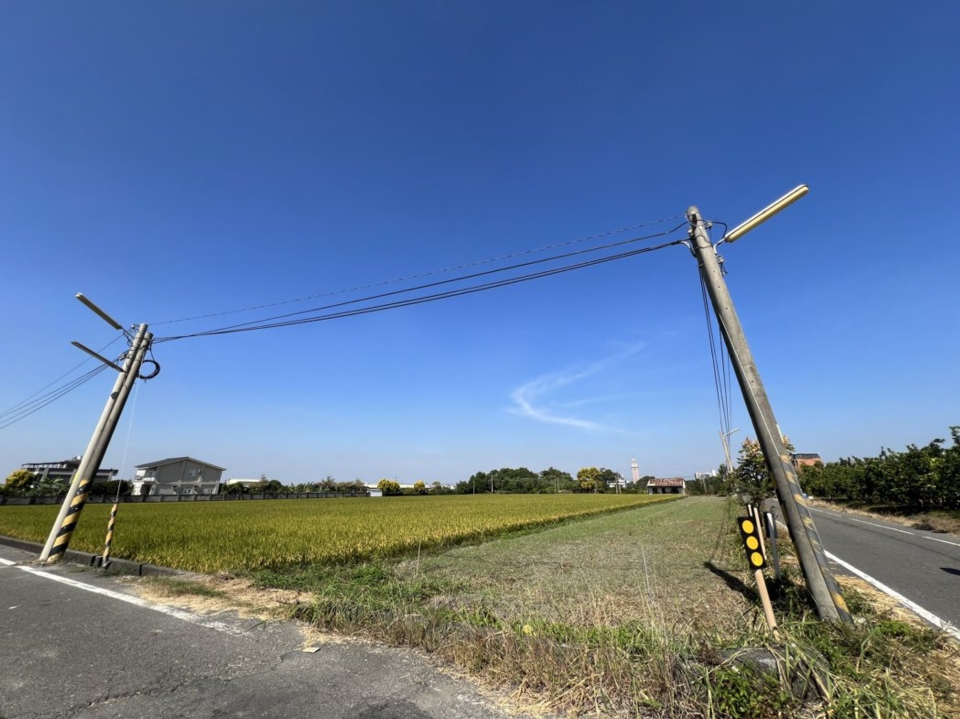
<point>725,439</point>
<point>62,530</point>
<point>821,583</point>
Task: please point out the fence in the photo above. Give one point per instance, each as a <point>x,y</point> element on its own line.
<point>153,498</point>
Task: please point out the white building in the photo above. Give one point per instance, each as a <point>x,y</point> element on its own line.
<point>177,475</point>
<point>248,483</point>
<point>65,469</point>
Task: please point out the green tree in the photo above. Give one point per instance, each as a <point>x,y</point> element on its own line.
<point>419,487</point>
<point>477,484</point>
<point>19,481</point>
<point>590,479</point>
<point>608,478</point>
<point>555,480</point>
<point>751,476</point>
<point>357,486</point>
<point>388,487</point>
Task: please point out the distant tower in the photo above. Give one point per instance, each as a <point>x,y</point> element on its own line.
<point>635,470</point>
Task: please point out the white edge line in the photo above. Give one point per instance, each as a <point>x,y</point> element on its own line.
<point>881,526</point>
<point>913,606</point>
<point>934,539</point>
<point>892,529</point>
<point>841,515</point>
<point>170,611</point>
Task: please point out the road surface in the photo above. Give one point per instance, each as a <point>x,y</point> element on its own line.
<point>76,644</point>
<point>923,567</point>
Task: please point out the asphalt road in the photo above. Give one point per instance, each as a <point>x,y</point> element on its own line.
<point>69,651</point>
<point>924,567</point>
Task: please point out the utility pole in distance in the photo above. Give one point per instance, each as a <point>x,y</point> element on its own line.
<point>821,583</point>
<point>62,530</point>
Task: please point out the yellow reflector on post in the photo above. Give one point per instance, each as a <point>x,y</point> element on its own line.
<point>751,541</point>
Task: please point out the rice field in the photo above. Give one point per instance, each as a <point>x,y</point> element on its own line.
<point>239,536</point>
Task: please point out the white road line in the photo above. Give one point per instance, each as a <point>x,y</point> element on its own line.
<point>853,519</point>
<point>824,511</point>
<point>892,529</point>
<point>169,611</point>
<point>913,606</point>
<point>934,539</point>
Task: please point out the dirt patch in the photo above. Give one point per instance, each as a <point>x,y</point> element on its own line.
<point>225,593</point>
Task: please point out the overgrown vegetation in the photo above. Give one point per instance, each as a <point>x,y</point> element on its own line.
<point>918,478</point>
<point>649,612</point>
<point>642,613</point>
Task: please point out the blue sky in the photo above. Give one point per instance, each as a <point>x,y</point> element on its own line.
<point>179,159</point>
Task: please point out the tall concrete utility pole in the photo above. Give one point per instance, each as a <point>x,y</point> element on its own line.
<point>725,440</point>
<point>62,530</point>
<point>821,583</point>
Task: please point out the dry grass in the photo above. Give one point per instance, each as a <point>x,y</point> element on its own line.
<point>620,615</point>
<point>645,566</point>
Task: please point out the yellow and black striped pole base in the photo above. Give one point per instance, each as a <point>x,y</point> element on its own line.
<point>106,543</point>
<point>62,541</point>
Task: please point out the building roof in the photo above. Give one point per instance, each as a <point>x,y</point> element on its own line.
<point>72,463</point>
<point>807,455</point>
<point>666,482</point>
<point>173,460</point>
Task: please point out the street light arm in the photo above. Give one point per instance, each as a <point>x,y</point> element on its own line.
<point>765,214</point>
<point>100,313</point>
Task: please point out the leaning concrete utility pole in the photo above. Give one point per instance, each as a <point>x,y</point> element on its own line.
<point>62,530</point>
<point>821,583</point>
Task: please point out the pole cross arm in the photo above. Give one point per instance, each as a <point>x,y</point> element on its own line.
<point>100,357</point>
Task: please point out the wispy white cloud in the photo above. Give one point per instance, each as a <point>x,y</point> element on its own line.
<point>532,399</point>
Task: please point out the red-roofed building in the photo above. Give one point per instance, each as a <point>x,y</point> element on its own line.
<point>805,459</point>
<point>671,485</point>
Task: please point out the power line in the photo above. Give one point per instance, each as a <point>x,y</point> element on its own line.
<point>269,323</point>
<point>438,283</point>
<point>454,279</point>
<point>425,274</point>
<point>721,370</point>
<point>53,396</point>
<point>30,401</point>
<point>35,403</point>
<point>70,371</point>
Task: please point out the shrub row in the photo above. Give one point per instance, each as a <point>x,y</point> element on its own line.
<point>923,477</point>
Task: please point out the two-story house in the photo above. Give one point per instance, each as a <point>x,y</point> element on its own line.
<point>177,475</point>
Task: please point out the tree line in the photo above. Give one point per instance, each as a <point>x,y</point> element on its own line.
<point>23,483</point>
<point>925,477</point>
<point>276,486</point>
<point>506,480</point>
<point>921,478</point>
<point>520,480</point>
